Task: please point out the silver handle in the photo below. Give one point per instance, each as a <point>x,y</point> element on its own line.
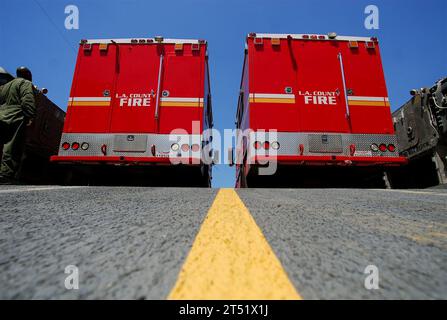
<point>157,101</point>
<point>340,58</point>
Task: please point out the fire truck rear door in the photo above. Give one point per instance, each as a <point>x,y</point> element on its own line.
<point>181,91</point>
<point>369,107</point>
<point>321,98</point>
<point>133,108</point>
<point>90,99</point>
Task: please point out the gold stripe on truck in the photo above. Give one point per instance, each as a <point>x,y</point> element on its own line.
<point>89,103</point>
<point>181,102</point>
<point>271,98</point>
<point>368,101</point>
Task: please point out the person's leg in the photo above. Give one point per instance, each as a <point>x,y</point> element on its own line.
<point>12,152</point>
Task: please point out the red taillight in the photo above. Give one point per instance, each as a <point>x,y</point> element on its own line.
<point>305,36</point>
<point>65,146</point>
<point>75,146</point>
<point>266,145</point>
<point>382,147</point>
<point>391,148</point>
<point>352,149</point>
<point>257,145</point>
<point>104,149</point>
<point>195,148</point>
<point>153,150</point>
<point>185,147</point>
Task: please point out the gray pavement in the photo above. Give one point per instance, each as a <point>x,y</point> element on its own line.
<point>128,243</point>
<point>326,238</point>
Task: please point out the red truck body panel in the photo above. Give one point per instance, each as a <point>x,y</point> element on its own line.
<point>128,95</point>
<point>325,97</point>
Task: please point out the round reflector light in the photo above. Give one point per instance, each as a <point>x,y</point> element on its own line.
<point>195,147</point>
<point>382,147</point>
<point>374,147</point>
<point>257,145</point>
<point>175,147</point>
<point>85,146</point>
<point>275,145</point>
<point>65,146</point>
<point>75,145</point>
<point>185,147</point>
<point>391,148</point>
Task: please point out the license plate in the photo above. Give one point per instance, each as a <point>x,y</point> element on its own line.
<point>363,154</point>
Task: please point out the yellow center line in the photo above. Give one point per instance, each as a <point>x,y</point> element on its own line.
<point>231,260</point>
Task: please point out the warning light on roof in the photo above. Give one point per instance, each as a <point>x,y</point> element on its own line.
<point>305,36</point>
<point>332,35</point>
<point>370,45</point>
<point>275,42</point>
<point>178,47</point>
<point>87,46</point>
<point>258,41</point>
<point>103,46</point>
<point>353,44</point>
<point>158,39</point>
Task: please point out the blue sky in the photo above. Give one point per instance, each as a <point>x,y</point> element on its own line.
<point>413,36</point>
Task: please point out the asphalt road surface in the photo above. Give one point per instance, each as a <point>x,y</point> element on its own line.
<point>158,243</point>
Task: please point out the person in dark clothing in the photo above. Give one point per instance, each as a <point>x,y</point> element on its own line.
<point>17,110</point>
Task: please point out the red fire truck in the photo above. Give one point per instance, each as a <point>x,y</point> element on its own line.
<point>138,105</point>
<point>317,107</point>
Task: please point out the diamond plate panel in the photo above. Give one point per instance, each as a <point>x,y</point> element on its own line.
<point>162,143</point>
<point>289,143</point>
<point>325,143</point>
<point>129,143</point>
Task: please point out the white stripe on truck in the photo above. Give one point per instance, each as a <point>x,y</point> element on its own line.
<point>89,99</point>
<point>181,99</point>
<point>300,36</point>
<point>129,41</point>
<point>272,95</point>
<point>359,98</point>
